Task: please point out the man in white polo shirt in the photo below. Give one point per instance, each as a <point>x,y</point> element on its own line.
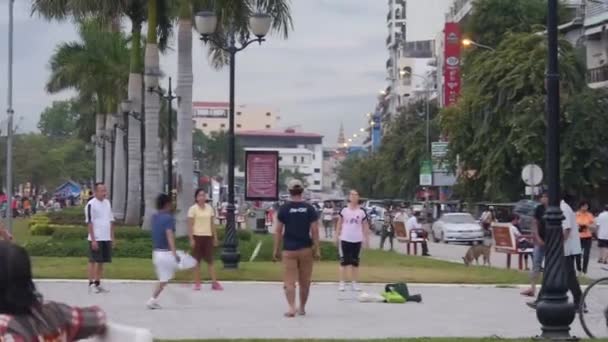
<point>100,222</point>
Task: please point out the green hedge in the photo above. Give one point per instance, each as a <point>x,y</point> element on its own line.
<point>142,248</point>
<point>67,216</point>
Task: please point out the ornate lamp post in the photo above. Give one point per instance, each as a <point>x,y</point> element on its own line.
<point>554,312</point>
<point>206,24</point>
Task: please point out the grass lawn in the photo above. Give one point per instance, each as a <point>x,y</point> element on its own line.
<point>377,266</point>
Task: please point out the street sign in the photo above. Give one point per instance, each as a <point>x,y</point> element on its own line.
<point>439,152</point>
<point>426,173</point>
<point>532,175</point>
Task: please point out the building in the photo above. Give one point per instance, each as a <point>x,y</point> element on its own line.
<point>297,150</point>
<point>213,117</point>
<point>596,35</point>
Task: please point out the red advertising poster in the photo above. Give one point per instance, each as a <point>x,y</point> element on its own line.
<point>451,64</point>
<point>262,175</point>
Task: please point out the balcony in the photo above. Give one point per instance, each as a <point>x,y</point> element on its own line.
<point>595,13</point>
<point>598,77</point>
<point>459,10</point>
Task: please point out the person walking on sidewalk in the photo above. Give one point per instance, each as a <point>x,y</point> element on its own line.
<point>538,255</point>
<point>586,222</point>
<point>164,255</point>
<point>328,218</point>
<point>203,238</point>
<point>572,248</point>
<point>352,232</point>
<point>602,235</point>
<point>388,230</point>
<point>296,242</point>
<point>100,222</point>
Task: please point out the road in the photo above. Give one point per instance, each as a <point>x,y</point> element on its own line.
<point>255,310</point>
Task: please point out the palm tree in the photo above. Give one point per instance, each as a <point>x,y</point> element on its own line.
<point>95,67</point>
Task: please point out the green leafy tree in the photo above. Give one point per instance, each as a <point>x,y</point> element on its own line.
<point>60,120</point>
<point>286,175</point>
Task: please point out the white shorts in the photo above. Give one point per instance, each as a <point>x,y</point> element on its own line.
<point>164,265</point>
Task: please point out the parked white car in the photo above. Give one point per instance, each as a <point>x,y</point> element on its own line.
<point>457,227</point>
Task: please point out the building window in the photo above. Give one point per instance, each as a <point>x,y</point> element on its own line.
<point>317,170</point>
<point>238,113</point>
<point>223,125</point>
<point>280,158</point>
<point>268,114</point>
<point>317,182</point>
<point>268,126</point>
<point>238,125</point>
<point>302,159</point>
<point>204,125</point>
<point>295,159</point>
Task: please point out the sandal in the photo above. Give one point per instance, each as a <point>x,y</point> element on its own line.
<point>528,293</point>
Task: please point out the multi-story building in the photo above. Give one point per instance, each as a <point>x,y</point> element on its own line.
<point>297,150</point>
<point>213,117</point>
<point>596,34</point>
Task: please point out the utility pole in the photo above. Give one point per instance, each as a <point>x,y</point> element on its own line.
<point>10,114</point>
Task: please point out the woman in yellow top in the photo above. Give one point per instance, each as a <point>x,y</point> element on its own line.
<point>585,222</point>
<point>203,238</point>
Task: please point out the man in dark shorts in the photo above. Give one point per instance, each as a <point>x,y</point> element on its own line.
<point>538,231</point>
<point>100,222</point>
<point>297,232</point>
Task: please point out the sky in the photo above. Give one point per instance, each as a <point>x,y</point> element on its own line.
<point>328,71</point>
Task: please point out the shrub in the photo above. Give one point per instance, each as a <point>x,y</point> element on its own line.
<point>68,216</point>
<point>38,219</point>
<point>81,233</point>
<point>41,230</point>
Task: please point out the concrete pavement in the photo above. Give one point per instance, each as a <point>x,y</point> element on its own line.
<point>255,310</point>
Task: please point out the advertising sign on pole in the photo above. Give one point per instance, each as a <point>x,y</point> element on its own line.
<point>451,64</point>
<point>261,175</point>
<point>426,173</point>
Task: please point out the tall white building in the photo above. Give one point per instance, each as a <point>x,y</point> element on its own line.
<point>596,34</point>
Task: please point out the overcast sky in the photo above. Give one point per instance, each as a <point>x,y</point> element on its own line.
<point>328,71</point>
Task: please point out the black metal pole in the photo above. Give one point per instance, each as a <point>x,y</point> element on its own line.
<point>554,312</point>
<point>170,98</point>
<point>230,254</point>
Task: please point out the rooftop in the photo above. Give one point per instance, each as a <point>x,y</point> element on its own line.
<point>278,134</point>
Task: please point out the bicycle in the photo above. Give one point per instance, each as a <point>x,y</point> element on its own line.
<point>594,316</point>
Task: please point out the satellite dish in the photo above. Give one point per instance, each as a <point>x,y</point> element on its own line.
<point>532,175</point>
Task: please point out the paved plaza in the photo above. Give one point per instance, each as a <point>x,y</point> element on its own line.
<point>255,310</point>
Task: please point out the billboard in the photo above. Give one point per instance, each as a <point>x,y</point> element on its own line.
<point>261,175</point>
<point>451,64</point>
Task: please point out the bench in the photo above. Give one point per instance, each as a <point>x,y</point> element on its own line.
<point>402,237</point>
<point>505,242</point>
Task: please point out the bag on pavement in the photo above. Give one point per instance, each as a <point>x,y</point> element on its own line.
<point>393,297</point>
<point>403,291</point>
<point>186,261</point>
<point>365,297</point>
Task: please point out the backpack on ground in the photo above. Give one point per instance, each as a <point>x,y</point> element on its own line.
<point>403,291</point>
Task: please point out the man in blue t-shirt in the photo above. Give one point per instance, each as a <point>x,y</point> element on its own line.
<point>164,256</point>
<point>297,230</point>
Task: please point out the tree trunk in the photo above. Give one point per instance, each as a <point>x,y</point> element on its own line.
<point>133,210</point>
<point>152,163</point>
<point>185,167</point>
<point>99,127</point>
<point>108,154</point>
<point>120,172</point>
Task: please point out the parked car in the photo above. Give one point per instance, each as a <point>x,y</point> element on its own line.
<point>457,227</point>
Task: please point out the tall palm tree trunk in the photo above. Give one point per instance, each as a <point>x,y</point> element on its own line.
<point>108,154</point>
<point>185,79</point>
<point>120,172</point>
<point>133,210</point>
<point>99,127</point>
<point>152,163</point>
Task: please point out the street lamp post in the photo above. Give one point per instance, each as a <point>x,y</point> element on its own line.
<point>206,24</point>
<point>554,312</point>
<point>169,97</point>
<point>468,42</point>
<point>10,115</point>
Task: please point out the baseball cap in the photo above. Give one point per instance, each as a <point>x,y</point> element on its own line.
<point>295,183</point>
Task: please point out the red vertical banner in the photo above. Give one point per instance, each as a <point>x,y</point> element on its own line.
<point>451,64</point>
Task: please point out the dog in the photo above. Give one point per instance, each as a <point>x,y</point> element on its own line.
<point>475,252</point>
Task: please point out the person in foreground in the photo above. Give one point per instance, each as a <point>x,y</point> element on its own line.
<point>297,234</point>
<point>24,316</point>
<point>164,256</point>
<point>100,222</point>
<point>352,232</point>
<point>203,238</point>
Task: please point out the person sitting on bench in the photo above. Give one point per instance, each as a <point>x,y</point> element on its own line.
<point>415,231</point>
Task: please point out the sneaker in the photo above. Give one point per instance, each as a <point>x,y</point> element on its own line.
<point>197,287</point>
<point>342,287</point>
<point>355,287</point>
<point>216,286</point>
<point>100,289</point>
<point>152,304</point>
<point>91,286</point>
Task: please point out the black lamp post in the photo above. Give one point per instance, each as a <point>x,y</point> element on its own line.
<point>554,312</point>
<point>206,24</point>
<point>169,97</point>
